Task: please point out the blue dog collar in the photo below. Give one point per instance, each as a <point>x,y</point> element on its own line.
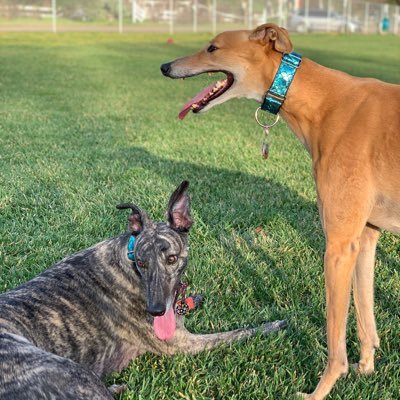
<point>276,94</point>
<point>131,248</point>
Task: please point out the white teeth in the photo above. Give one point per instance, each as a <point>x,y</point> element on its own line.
<point>217,87</point>
<point>220,84</point>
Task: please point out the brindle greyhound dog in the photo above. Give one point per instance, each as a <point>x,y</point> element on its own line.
<point>351,128</point>
<point>94,311</point>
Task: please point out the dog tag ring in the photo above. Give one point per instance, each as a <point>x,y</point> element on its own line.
<point>265,125</point>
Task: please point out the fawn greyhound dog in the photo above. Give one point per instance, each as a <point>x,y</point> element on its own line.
<point>351,128</point>
<point>96,310</point>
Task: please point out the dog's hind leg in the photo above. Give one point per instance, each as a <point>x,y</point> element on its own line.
<point>363,291</point>
<point>28,372</point>
<point>186,342</point>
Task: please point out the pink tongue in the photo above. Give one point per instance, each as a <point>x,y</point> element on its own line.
<point>164,326</point>
<point>196,99</point>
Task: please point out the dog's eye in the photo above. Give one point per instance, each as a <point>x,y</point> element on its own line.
<point>172,259</point>
<point>212,48</point>
<point>140,264</point>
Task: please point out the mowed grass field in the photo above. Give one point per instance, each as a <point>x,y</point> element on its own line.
<point>87,121</point>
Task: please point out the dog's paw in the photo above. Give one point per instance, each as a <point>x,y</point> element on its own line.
<point>275,326</point>
<point>363,369</point>
<point>116,390</point>
<point>301,395</point>
<point>308,396</point>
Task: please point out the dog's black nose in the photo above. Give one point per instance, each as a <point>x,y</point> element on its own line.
<point>166,69</point>
<point>156,310</point>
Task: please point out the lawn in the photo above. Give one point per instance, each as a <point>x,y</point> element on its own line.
<point>87,121</point>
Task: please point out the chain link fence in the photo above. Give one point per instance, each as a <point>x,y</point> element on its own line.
<point>198,15</point>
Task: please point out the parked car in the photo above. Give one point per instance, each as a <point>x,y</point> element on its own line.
<point>321,20</point>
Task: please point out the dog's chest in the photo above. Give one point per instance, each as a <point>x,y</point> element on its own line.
<point>118,359</point>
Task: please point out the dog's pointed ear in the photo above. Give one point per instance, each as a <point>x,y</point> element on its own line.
<point>137,220</point>
<point>178,212</point>
<point>271,34</point>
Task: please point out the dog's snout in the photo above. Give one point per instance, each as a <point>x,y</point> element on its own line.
<point>156,310</point>
<point>166,68</point>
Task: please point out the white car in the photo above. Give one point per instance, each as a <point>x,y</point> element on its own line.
<point>321,20</point>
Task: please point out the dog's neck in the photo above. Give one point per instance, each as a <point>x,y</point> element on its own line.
<point>123,249</point>
<point>114,252</point>
<point>308,102</point>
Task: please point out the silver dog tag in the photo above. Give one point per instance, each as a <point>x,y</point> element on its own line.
<point>265,150</point>
<point>265,144</point>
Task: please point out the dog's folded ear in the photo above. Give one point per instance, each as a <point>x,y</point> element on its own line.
<point>137,220</point>
<point>178,212</point>
<point>273,35</point>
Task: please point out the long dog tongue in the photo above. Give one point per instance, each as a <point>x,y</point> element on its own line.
<point>164,326</point>
<point>186,108</point>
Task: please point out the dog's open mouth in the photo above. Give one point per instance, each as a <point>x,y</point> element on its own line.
<point>165,326</point>
<point>207,95</point>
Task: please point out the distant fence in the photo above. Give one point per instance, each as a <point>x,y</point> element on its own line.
<point>198,15</point>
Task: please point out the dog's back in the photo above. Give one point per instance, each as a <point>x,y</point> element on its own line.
<point>80,307</point>
<point>28,372</point>
<point>74,315</point>
<point>50,331</point>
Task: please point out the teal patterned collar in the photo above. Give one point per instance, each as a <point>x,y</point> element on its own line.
<point>276,94</point>
<point>131,248</point>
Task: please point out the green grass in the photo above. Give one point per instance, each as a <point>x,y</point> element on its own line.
<point>87,121</point>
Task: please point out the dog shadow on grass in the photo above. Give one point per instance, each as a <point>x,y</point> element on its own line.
<point>238,203</point>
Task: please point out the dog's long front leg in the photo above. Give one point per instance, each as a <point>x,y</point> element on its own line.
<point>340,259</point>
<point>363,291</point>
<point>186,342</point>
